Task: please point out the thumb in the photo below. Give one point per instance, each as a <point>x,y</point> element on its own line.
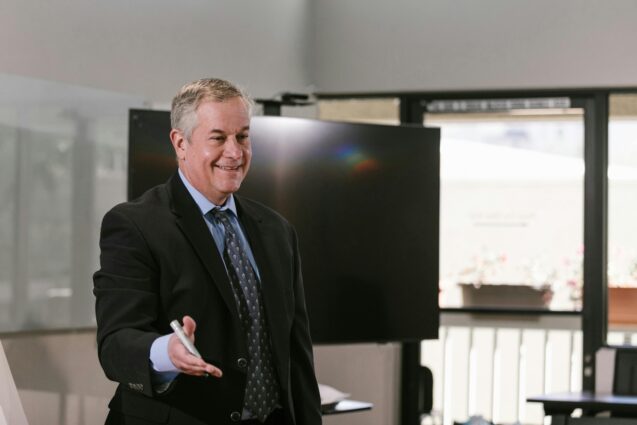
<point>189,327</point>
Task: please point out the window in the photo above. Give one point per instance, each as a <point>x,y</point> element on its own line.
<point>511,207</point>
<point>63,162</point>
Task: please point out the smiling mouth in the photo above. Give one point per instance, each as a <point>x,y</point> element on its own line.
<point>228,167</point>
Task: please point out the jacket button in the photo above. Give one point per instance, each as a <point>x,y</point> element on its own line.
<point>241,362</point>
<point>235,416</point>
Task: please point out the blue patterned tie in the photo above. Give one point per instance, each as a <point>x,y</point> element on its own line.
<point>262,390</point>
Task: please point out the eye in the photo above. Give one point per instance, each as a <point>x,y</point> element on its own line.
<point>218,138</point>
<point>242,137</point>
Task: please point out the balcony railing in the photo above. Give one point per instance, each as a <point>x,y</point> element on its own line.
<point>487,364</point>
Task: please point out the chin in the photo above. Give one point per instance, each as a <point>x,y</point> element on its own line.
<point>230,189</point>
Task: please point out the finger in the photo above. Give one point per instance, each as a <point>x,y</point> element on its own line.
<point>189,363</point>
<point>198,367</point>
<point>182,359</point>
<point>194,370</point>
<point>214,371</point>
<point>194,362</point>
<point>189,327</point>
<point>179,354</point>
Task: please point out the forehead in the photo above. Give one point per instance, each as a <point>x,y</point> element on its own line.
<point>230,115</point>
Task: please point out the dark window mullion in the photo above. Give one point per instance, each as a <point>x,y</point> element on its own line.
<point>595,296</point>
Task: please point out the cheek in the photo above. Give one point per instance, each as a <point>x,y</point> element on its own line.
<point>208,156</point>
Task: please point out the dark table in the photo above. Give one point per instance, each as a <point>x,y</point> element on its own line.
<point>623,409</point>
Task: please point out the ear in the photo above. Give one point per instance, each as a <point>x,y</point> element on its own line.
<point>179,143</point>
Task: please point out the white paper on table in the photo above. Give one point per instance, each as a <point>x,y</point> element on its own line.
<point>330,395</point>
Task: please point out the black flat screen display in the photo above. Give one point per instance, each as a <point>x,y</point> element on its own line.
<point>364,200</point>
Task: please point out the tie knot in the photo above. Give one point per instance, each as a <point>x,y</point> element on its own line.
<point>222,216</point>
<point>218,213</point>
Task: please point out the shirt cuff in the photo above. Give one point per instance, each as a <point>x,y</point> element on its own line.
<point>159,357</point>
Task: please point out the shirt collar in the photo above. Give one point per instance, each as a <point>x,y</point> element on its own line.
<point>203,203</point>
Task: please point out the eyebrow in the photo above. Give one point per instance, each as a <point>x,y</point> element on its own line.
<point>216,130</point>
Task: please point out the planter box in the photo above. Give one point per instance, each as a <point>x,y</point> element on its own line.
<point>622,306</point>
<point>486,295</point>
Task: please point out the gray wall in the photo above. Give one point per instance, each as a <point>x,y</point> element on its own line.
<point>151,47</point>
<point>377,45</point>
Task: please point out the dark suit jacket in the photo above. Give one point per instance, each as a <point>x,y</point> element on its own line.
<point>159,263</point>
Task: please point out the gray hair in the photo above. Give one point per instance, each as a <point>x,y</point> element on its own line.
<point>185,103</point>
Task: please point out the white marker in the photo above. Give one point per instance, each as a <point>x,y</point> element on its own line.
<point>179,331</point>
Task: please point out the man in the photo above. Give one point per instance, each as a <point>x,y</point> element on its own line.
<point>226,266</point>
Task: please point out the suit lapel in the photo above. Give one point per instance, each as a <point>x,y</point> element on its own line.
<point>191,222</point>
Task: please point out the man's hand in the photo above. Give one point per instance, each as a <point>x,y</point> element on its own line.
<point>183,360</point>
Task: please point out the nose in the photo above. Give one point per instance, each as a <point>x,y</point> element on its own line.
<point>232,149</point>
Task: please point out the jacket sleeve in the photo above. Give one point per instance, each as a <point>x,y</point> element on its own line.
<point>304,388</point>
<point>127,299</point>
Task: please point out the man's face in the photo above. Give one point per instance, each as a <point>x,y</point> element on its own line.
<point>217,157</point>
